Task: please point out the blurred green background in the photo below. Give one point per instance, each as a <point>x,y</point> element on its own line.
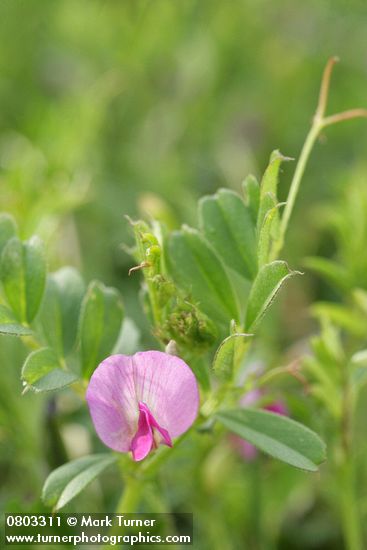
<point>138,107</point>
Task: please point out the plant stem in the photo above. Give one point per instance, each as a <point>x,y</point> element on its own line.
<point>296,181</point>
<point>255,512</point>
<point>319,122</point>
<point>130,497</point>
<point>351,522</point>
<point>128,502</point>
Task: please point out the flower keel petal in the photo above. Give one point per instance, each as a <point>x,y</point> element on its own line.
<point>149,434</point>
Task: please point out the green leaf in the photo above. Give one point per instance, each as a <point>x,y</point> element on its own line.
<point>228,355</point>
<point>67,481</point>
<point>42,372</point>
<point>251,190</point>
<point>196,267</point>
<point>23,274</point>
<point>8,229</point>
<point>9,324</point>
<point>100,324</point>
<point>267,234</point>
<point>269,184</point>
<point>264,289</point>
<point>227,224</point>
<point>61,309</point>
<point>129,340</point>
<point>277,435</point>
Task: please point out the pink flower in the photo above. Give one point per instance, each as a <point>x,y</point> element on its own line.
<point>138,402</point>
<point>246,449</point>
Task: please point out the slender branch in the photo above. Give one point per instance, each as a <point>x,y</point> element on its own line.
<point>296,181</point>
<point>324,88</point>
<point>293,369</point>
<point>345,115</point>
<point>318,123</point>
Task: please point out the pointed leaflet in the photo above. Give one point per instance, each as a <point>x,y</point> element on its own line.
<point>227,224</point>
<point>9,325</point>
<point>8,229</point>
<point>42,371</point>
<point>266,235</point>
<point>227,355</point>
<point>196,267</point>
<point>100,324</point>
<point>251,190</point>
<point>269,184</point>
<point>267,283</point>
<point>67,481</point>
<point>23,274</point>
<point>61,308</point>
<point>276,435</point>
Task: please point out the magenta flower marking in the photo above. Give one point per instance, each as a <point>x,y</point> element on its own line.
<point>139,402</point>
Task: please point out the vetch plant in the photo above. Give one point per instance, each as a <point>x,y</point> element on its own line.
<point>205,291</point>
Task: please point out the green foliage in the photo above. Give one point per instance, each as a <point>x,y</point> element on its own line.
<point>199,102</point>
<point>325,369</point>
<point>23,274</point>
<point>227,224</point>
<point>202,288</point>
<point>277,435</point>
<point>67,481</point>
<point>251,190</point>
<point>170,309</point>
<point>266,285</point>
<point>344,222</point>
<point>8,229</point>
<point>228,355</point>
<point>268,187</point>
<point>347,317</point>
<point>100,324</point>
<point>42,371</point>
<point>336,367</point>
<point>63,320</point>
<point>358,368</point>
<point>196,267</point>
<point>60,310</point>
<point>186,325</point>
<point>198,281</point>
<point>9,324</point>
<point>266,235</point>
